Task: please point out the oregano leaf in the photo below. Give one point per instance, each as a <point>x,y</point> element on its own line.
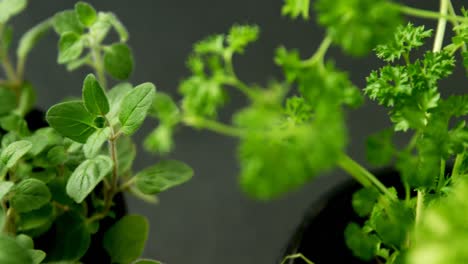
<point>118,61</point>
<point>29,194</point>
<point>67,21</point>
<point>86,13</point>
<point>12,252</point>
<point>125,240</point>
<point>162,176</point>
<point>87,176</point>
<point>72,120</point>
<point>94,98</point>
<point>135,106</point>
<point>14,151</point>
<point>94,143</point>
<point>70,47</point>
<point>9,8</point>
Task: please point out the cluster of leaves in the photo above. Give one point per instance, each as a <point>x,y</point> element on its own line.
<point>84,28</point>
<point>410,90</point>
<point>275,124</point>
<point>59,182</point>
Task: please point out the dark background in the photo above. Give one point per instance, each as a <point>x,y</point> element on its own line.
<point>209,219</point>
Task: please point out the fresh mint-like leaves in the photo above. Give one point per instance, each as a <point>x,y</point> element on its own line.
<point>162,176</point>
<point>94,98</point>
<point>125,240</point>
<point>87,176</point>
<point>72,120</point>
<point>135,106</point>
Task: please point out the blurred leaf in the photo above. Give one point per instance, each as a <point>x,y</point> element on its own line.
<point>162,176</point>
<point>85,13</point>
<point>126,239</point>
<point>118,61</point>
<point>29,194</point>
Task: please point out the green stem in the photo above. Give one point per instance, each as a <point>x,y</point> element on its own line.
<point>457,165</point>
<point>441,181</point>
<point>419,206</point>
<point>296,256</point>
<point>441,25</point>
<point>452,12</point>
<point>362,175</point>
<point>109,192</point>
<point>234,80</point>
<point>214,125</point>
<point>421,13</point>
<point>9,227</point>
<point>99,66</point>
<point>320,53</point>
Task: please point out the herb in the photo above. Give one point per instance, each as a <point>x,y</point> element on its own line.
<point>294,129</point>
<point>65,177</point>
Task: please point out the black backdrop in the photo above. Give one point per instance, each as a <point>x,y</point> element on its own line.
<point>209,220</point>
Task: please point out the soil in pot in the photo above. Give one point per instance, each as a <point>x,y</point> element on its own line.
<point>320,236</point>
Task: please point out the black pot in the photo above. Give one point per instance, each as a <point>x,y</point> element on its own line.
<point>96,252</point>
<point>320,236</point>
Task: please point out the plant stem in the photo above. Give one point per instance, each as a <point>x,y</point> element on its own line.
<point>320,52</point>
<point>441,25</point>
<point>214,125</point>
<point>421,13</point>
<point>362,175</point>
<point>109,193</point>
<point>457,165</point>
<point>9,227</point>
<point>296,256</point>
<point>441,180</point>
<point>419,206</point>
<point>99,67</point>
<point>234,80</point>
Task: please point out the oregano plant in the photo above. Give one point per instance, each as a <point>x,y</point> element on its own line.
<point>61,181</point>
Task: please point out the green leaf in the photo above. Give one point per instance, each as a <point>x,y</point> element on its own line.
<point>71,46</point>
<point>29,194</point>
<point>380,147</point>
<point>160,140</point>
<point>14,151</point>
<point>135,106</point>
<point>87,176</point>
<point>358,26</point>
<point>36,219</point>
<point>406,39</point>
<point>31,37</point>
<point>71,120</point>
<point>116,95</point>
<point>294,8</point>
<point>165,109</point>
<point>7,101</point>
<point>72,238</point>
<point>361,244</point>
<point>364,200</point>
<point>25,241</point>
<point>118,61</point>
<point>57,155</point>
<point>12,252</point>
<point>126,153</point>
<point>240,36</point>
<point>5,187</point>
<point>162,176</point>
<point>94,143</point>
<point>9,8</point>
<point>67,21</point>
<point>126,239</point>
<point>37,256</point>
<point>85,13</point>
<point>94,98</point>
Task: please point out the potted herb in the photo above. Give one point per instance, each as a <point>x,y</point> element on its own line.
<point>60,183</point>
<point>293,129</point>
